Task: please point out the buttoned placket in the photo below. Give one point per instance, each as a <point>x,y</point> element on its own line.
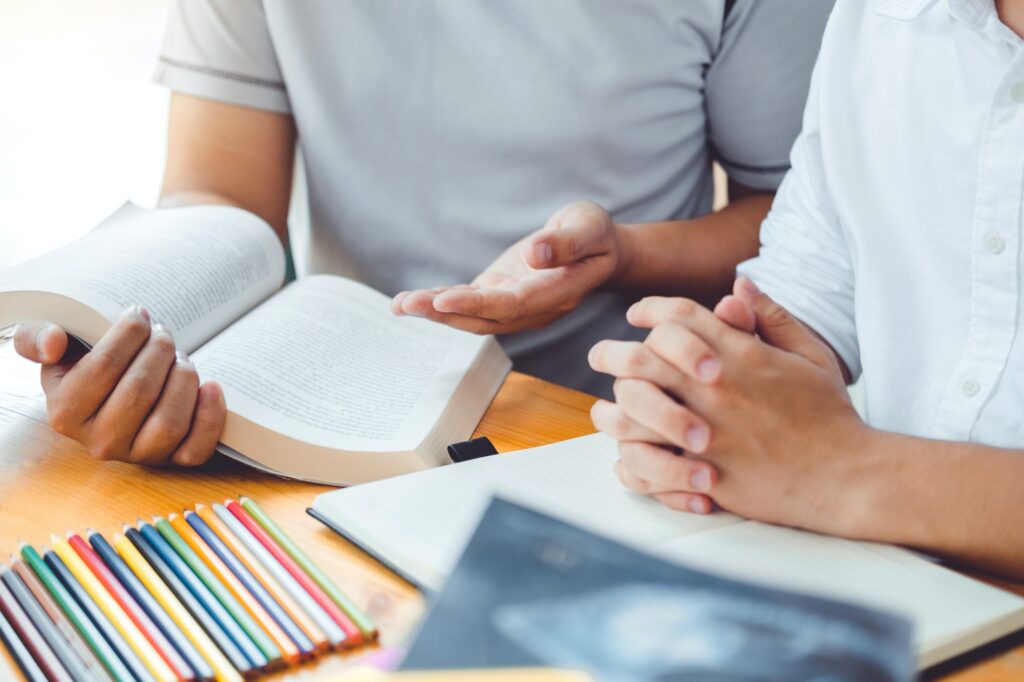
<point>995,260</point>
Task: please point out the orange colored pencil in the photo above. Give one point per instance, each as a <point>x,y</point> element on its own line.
<point>289,651</point>
<point>301,618</point>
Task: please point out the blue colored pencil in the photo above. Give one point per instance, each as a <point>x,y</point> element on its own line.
<point>202,594</point>
<point>335,635</point>
<point>98,618</point>
<point>138,591</point>
<point>191,604</point>
<point>249,581</point>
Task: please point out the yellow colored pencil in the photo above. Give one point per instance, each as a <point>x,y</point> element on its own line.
<point>222,668</point>
<point>289,651</point>
<point>135,639</point>
<point>301,618</point>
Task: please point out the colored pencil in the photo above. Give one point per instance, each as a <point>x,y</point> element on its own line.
<point>90,667</point>
<point>19,652</point>
<point>96,616</point>
<point>90,635</point>
<point>69,662</point>
<point>296,637</point>
<point>352,633</point>
<point>282,646</point>
<point>181,569</point>
<point>131,608</point>
<point>156,665</point>
<point>315,634</point>
<point>361,620</point>
<point>198,666</point>
<point>335,635</point>
<point>193,604</point>
<point>220,666</point>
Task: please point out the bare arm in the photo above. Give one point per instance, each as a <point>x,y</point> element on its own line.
<point>696,258</point>
<point>225,154</point>
<point>961,500</point>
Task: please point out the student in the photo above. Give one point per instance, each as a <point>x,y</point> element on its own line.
<point>434,135</point>
<point>896,240</point>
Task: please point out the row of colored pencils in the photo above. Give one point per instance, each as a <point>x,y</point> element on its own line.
<point>218,593</point>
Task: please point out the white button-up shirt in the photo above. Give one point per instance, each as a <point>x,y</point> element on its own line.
<point>897,235</point>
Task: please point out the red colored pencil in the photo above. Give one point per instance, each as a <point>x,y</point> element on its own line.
<point>30,637</point>
<point>353,636</point>
<point>131,608</point>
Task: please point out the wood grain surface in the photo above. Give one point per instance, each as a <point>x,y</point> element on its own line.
<point>48,484</point>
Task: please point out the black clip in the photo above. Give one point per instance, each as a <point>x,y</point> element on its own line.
<point>471,449</point>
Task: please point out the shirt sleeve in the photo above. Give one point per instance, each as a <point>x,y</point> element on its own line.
<point>805,261</point>
<point>222,50</point>
<point>756,85</point>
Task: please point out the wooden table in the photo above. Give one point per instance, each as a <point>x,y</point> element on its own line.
<point>48,484</point>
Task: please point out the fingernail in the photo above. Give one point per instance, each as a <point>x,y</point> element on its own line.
<point>160,330</point>
<point>695,505</point>
<point>697,438</point>
<point>700,480</point>
<point>183,360</point>
<point>42,333</point>
<point>542,253</point>
<point>709,369</point>
<point>144,313</point>
<point>592,355</point>
<point>749,287</point>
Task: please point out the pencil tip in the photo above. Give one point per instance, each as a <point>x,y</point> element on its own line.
<point>22,545</point>
<point>70,534</point>
<point>200,505</point>
<point>125,527</point>
<point>89,532</point>
<point>54,538</point>
<point>155,519</point>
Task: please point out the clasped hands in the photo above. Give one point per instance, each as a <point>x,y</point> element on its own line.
<point>743,407</point>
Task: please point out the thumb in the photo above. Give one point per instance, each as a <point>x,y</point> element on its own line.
<point>778,327</point>
<point>575,239</point>
<point>42,342</point>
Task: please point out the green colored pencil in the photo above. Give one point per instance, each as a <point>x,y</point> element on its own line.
<point>362,621</point>
<point>104,653</point>
<point>254,631</point>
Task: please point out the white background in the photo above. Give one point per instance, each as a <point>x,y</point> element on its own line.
<point>82,127</point>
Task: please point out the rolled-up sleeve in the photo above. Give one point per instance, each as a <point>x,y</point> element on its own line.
<point>222,50</point>
<point>756,85</point>
<point>805,262</point>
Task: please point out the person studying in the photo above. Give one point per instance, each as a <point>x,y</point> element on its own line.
<point>892,253</point>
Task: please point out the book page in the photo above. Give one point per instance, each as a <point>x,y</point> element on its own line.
<point>423,520</point>
<point>326,362</point>
<point>196,268</point>
<point>941,604</point>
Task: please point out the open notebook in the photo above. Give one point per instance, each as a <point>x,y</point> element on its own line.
<point>420,523</point>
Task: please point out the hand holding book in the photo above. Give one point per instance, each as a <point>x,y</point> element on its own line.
<point>132,397</point>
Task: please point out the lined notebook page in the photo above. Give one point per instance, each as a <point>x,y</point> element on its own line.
<point>422,521</point>
<point>943,605</point>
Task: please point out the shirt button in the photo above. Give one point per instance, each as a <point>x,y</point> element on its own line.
<point>970,387</point>
<point>994,243</point>
<point>1017,93</point>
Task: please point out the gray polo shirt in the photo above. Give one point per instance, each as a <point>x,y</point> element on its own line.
<point>435,133</point>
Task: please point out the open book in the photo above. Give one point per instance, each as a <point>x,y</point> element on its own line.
<point>420,523</point>
<point>321,381</point>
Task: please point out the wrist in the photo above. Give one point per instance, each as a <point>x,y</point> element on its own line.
<point>864,492</point>
<point>626,245</point>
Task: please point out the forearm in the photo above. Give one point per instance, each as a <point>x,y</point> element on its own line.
<point>696,258</point>
<point>959,500</point>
